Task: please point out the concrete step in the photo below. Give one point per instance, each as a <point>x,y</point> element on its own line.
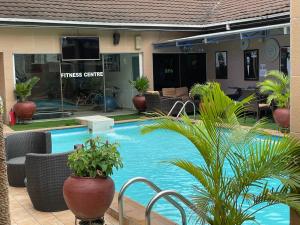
<point>134,213</point>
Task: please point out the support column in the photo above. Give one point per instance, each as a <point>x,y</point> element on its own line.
<point>295,80</point>
<point>2,78</point>
<point>9,80</point>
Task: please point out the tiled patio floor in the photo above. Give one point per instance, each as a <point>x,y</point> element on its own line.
<point>22,212</point>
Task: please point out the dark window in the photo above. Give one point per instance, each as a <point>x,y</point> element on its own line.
<point>192,69</point>
<point>166,71</point>
<point>178,70</point>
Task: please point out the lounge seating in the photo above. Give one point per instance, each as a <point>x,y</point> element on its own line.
<point>163,104</point>
<point>17,146</point>
<point>45,176</point>
<point>234,92</point>
<point>182,93</point>
<point>157,103</point>
<point>257,105</point>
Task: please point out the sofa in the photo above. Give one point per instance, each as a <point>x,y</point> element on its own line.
<point>181,93</point>
<point>162,102</point>
<point>159,104</point>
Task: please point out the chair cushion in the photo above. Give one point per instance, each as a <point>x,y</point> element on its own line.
<point>169,92</point>
<point>263,105</point>
<point>153,92</point>
<point>182,91</point>
<point>17,161</point>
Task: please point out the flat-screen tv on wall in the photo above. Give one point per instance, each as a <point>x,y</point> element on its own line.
<point>80,48</point>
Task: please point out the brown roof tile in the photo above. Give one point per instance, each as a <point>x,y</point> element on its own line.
<point>228,10</point>
<point>178,12</point>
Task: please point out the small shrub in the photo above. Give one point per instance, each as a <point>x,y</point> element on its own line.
<point>95,159</point>
<point>23,89</point>
<point>140,84</point>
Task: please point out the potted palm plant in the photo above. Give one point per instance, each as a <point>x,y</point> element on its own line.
<point>92,166</point>
<point>25,109</point>
<point>141,85</point>
<point>277,87</point>
<point>240,174</point>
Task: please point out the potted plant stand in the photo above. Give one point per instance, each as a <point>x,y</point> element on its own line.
<point>89,192</point>
<point>277,87</point>
<point>141,85</point>
<point>25,109</point>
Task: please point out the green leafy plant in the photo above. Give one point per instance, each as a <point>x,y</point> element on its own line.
<point>95,159</point>
<point>141,84</point>
<point>234,176</point>
<point>23,89</point>
<point>200,89</point>
<point>277,87</point>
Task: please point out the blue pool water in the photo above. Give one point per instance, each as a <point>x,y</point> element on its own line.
<point>143,155</point>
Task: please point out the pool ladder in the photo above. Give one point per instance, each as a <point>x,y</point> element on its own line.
<point>160,194</point>
<point>182,109</point>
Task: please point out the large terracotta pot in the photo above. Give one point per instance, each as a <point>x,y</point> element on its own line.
<point>139,102</point>
<point>282,117</point>
<point>88,198</point>
<point>24,110</point>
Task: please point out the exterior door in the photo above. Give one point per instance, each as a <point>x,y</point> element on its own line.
<point>178,70</point>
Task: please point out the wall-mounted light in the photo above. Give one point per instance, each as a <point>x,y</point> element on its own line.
<point>116,38</point>
<point>228,26</point>
<point>138,42</point>
<point>285,30</point>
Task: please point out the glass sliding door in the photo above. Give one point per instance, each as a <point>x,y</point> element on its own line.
<point>46,93</point>
<point>82,86</point>
<point>78,88</point>
<point>119,69</point>
<point>178,69</point>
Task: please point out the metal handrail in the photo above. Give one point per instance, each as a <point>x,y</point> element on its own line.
<point>164,194</point>
<point>175,104</point>
<point>183,108</point>
<point>155,188</point>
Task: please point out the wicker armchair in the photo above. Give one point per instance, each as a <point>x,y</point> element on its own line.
<point>45,176</point>
<point>17,146</point>
<point>160,104</point>
<point>257,105</point>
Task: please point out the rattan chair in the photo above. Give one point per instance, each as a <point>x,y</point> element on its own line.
<point>17,146</point>
<point>257,105</point>
<point>161,104</point>
<point>45,176</point>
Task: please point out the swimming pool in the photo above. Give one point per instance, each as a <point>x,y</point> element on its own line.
<point>143,155</point>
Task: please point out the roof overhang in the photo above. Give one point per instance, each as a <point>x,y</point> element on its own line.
<point>121,25</point>
<point>248,33</point>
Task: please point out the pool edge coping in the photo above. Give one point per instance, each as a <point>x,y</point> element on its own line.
<point>269,131</point>
<point>73,126</point>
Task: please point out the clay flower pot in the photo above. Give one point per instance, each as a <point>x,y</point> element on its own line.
<point>139,102</point>
<point>282,117</point>
<point>88,198</point>
<point>24,110</point>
